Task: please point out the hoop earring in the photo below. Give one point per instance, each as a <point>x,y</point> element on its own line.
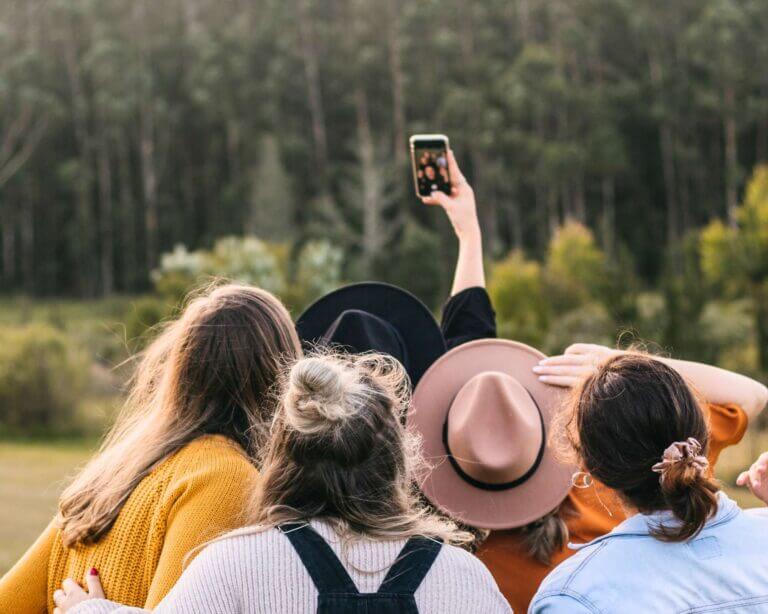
<point>581,479</point>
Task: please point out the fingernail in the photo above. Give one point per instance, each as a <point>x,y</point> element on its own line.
<point>538,369</point>
<point>94,571</point>
<point>543,378</point>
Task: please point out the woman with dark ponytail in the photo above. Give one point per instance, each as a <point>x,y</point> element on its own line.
<point>635,426</point>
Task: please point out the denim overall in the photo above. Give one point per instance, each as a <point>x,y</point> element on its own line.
<point>338,593</point>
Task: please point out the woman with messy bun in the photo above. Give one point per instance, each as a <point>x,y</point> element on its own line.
<point>336,524</point>
<point>636,427</point>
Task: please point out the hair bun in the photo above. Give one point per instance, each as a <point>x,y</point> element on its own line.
<point>315,395</point>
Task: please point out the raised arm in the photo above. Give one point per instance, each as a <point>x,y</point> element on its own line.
<point>462,212</point>
<point>716,385</point>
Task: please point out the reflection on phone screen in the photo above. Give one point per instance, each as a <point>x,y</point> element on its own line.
<point>431,168</point>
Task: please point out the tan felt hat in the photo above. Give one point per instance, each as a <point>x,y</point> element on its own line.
<point>484,417</point>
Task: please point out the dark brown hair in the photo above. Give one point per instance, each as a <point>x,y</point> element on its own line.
<point>622,419</point>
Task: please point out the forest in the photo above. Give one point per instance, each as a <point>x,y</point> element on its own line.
<point>129,127</point>
<point>618,150</point>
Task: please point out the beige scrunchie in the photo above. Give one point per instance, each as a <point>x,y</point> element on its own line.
<point>682,452</point>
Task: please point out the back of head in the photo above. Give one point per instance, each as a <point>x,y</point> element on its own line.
<point>339,451</point>
<point>638,428</point>
<point>208,372</point>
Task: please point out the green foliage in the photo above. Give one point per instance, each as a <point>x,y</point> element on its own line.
<point>297,278</point>
<point>142,318</point>
<point>737,258</point>
<point>576,269</point>
<point>517,292</point>
<point>417,263</point>
<point>589,323</point>
<point>42,375</point>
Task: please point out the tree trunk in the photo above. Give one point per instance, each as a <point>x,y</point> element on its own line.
<point>731,154</point>
<point>128,243</point>
<point>149,183</point>
<point>608,222</point>
<point>398,84</point>
<point>371,180</point>
<point>309,56</point>
<point>107,259</point>
<point>667,144</point>
<point>8,225</point>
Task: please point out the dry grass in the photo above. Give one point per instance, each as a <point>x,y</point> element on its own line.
<point>33,474</point>
<point>31,478</point>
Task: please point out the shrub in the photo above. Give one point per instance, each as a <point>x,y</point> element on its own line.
<point>142,317</point>
<point>590,323</point>
<point>417,263</point>
<point>576,269</point>
<point>42,377</point>
<point>516,289</point>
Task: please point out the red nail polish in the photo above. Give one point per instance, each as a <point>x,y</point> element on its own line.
<point>94,571</point>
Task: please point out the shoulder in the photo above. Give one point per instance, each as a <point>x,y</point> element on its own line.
<point>211,454</point>
<point>572,578</point>
<point>464,572</point>
<point>243,546</point>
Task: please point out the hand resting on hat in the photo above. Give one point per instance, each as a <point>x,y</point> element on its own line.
<point>580,360</point>
<point>713,384</point>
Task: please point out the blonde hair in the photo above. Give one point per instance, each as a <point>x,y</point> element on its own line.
<point>339,451</point>
<point>209,371</point>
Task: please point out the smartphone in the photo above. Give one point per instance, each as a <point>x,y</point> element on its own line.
<point>429,159</point>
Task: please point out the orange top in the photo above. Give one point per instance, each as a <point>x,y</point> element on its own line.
<point>598,512</point>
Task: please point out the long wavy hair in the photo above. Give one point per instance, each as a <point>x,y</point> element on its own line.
<point>209,371</point>
<point>339,452</point>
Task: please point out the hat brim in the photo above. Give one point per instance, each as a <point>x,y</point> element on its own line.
<point>442,485</point>
<point>417,326</point>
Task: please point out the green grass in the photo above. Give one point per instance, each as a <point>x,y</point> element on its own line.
<point>32,474</point>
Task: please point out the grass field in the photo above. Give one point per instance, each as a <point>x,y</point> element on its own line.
<point>33,474</point>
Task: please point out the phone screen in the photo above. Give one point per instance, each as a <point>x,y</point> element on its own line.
<point>430,165</point>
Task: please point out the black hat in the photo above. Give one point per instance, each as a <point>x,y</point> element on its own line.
<point>377,317</point>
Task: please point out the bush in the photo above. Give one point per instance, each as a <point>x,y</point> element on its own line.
<point>590,323</point>
<point>143,316</point>
<point>516,289</point>
<point>576,269</point>
<point>417,263</point>
<point>42,377</point>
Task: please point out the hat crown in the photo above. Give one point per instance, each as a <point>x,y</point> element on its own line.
<point>494,428</point>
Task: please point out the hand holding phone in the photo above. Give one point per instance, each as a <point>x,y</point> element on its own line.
<point>429,158</point>
<point>459,203</point>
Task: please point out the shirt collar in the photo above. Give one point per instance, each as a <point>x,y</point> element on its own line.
<point>640,525</point>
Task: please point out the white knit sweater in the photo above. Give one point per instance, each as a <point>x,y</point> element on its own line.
<point>261,573</point>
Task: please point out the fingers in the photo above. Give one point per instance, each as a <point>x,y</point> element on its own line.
<point>742,479</point>
<point>567,359</point>
<point>93,582</point>
<point>437,198</point>
<point>59,597</point>
<point>69,586</point>
<point>583,348</point>
<point>561,381</point>
<point>453,169</point>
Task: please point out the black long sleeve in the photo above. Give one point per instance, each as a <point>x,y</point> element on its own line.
<point>468,316</point>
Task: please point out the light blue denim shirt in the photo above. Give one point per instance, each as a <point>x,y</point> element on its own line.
<point>723,569</point>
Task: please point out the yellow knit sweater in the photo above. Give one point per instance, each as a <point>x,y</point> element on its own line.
<point>191,497</point>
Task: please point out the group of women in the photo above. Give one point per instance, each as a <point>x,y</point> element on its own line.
<point>365,459</point>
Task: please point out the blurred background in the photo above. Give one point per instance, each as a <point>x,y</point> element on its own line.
<point>615,148</point>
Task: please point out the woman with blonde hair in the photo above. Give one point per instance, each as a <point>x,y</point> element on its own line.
<point>176,467</point>
<point>336,522</point>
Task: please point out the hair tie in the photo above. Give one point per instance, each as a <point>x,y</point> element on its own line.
<point>687,452</point>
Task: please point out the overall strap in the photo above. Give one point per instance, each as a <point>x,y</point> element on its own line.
<point>320,560</point>
<point>412,564</point>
